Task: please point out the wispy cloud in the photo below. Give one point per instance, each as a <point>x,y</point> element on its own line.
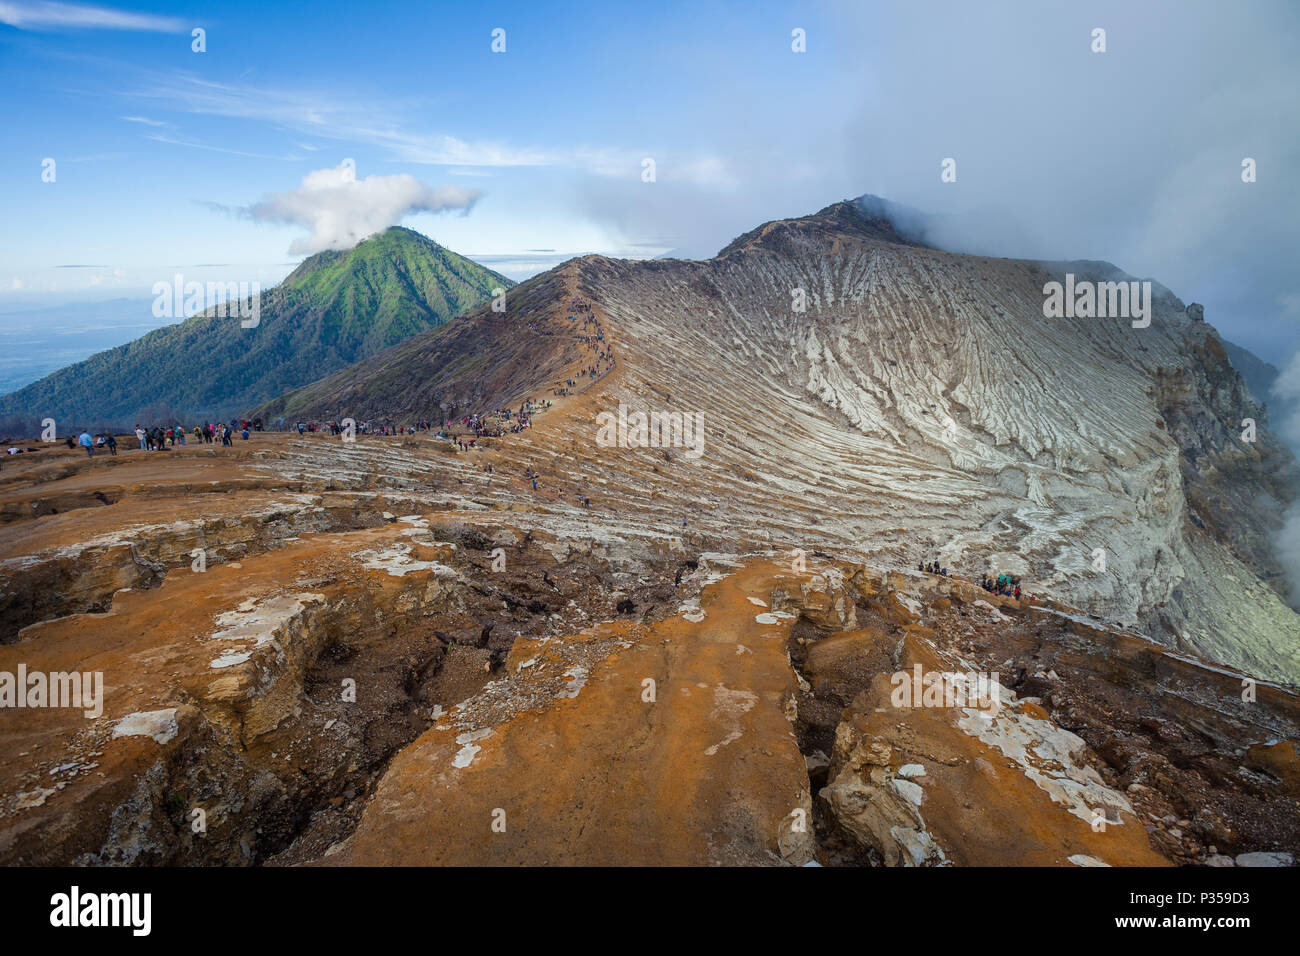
<point>54,16</point>
<point>172,141</point>
<point>344,118</point>
<point>144,120</point>
<point>341,210</point>
<point>333,117</point>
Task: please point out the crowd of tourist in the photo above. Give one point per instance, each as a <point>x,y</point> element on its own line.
<point>163,437</point>
<point>1006,585</point>
<point>589,334</point>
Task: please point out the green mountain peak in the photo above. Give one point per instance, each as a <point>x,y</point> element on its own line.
<point>334,309</point>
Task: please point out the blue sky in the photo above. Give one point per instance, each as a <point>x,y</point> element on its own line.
<point>1131,156</point>
<point>149,136</point>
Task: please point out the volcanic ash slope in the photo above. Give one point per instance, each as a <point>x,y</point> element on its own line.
<point>923,404</point>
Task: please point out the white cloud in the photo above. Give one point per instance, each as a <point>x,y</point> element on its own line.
<point>37,16</point>
<point>341,210</point>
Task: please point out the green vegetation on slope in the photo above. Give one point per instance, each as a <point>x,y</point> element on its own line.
<point>335,309</point>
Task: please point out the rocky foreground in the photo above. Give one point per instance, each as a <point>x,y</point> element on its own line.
<point>319,652</point>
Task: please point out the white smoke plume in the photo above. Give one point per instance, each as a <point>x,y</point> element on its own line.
<point>1286,395</point>
<point>1286,546</point>
<point>1285,401</point>
<point>340,210</point>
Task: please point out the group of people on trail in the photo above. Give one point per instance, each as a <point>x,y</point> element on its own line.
<point>1004,584</point>
<point>510,421</point>
<point>163,437</point>
<point>159,438</point>
<point>1007,585</point>
<point>464,432</point>
<point>498,423</point>
<point>589,334</point>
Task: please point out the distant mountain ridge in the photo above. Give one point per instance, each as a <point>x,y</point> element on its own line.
<point>1259,375</point>
<point>335,309</point>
